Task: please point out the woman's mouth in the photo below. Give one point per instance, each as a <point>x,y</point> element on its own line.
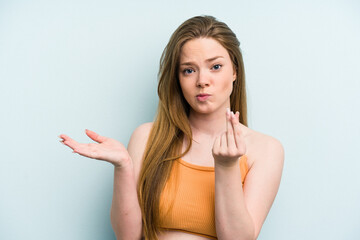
<point>202,97</point>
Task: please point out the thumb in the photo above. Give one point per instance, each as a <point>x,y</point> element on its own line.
<point>94,136</point>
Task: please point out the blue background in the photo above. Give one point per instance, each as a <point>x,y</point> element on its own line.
<point>70,65</point>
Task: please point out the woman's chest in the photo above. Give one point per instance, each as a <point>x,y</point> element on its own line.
<point>187,201</point>
<point>200,153</point>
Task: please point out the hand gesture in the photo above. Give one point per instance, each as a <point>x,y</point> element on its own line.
<point>106,149</point>
<point>229,146</point>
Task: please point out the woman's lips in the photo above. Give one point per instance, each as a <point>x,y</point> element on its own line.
<point>202,97</point>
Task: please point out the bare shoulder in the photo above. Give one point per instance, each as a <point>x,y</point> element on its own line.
<point>262,147</point>
<point>137,145</point>
<point>141,133</point>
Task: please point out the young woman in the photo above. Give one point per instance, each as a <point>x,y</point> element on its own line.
<point>197,172</point>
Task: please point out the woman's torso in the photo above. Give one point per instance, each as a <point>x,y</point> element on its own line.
<point>200,154</point>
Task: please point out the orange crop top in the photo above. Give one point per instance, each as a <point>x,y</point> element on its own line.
<point>187,202</point>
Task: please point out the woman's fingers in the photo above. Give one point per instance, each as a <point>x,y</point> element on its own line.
<point>230,145</point>
<point>84,149</point>
<point>104,148</point>
<point>80,148</point>
<point>236,127</point>
<point>66,140</point>
<point>230,134</point>
<point>239,139</point>
<point>94,136</point>
<point>223,144</point>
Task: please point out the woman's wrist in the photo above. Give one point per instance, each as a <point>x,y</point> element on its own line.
<point>227,164</point>
<point>124,165</point>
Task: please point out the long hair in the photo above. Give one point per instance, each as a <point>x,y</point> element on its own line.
<point>171,125</point>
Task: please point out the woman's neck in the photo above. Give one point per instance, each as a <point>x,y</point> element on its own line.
<point>212,124</point>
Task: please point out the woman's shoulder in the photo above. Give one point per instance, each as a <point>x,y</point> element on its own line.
<point>143,130</point>
<point>139,138</point>
<point>137,144</point>
<point>263,147</point>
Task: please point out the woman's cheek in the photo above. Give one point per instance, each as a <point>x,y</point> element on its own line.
<point>186,94</point>
<point>227,88</point>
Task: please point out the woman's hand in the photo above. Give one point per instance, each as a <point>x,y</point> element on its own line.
<point>106,149</point>
<point>229,146</point>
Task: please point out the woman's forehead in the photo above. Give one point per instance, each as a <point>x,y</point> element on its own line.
<point>202,49</point>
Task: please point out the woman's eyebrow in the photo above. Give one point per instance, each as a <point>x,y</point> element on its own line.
<point>207,60</point>
<point>213,58</point>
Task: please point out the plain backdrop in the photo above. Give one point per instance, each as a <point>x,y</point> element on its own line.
<point>70,65</point>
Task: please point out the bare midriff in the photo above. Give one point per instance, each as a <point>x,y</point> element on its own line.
<point>178,235</point>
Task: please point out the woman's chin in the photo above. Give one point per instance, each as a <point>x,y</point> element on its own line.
<point>205,110</point>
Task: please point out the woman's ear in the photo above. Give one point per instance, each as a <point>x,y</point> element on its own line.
<point>234,74</point>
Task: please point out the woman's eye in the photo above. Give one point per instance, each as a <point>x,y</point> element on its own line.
<point>188,71</point>
<point>216,67</point>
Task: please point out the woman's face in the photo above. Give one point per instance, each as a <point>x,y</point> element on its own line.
<point>206,74</point>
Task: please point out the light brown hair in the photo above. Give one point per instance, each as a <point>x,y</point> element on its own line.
<point>171,124</point>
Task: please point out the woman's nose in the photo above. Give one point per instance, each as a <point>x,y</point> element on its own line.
<point>202,80</point>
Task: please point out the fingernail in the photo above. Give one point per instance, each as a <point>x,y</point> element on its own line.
<point>228,113</point>
<point>232,115</point>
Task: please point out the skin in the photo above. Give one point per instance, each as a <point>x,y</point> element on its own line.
<point>219,141</point>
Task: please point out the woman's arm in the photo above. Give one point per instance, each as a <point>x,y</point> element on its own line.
<point>125,209</point>
<point>126,217</point>
<point>241,212</point>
